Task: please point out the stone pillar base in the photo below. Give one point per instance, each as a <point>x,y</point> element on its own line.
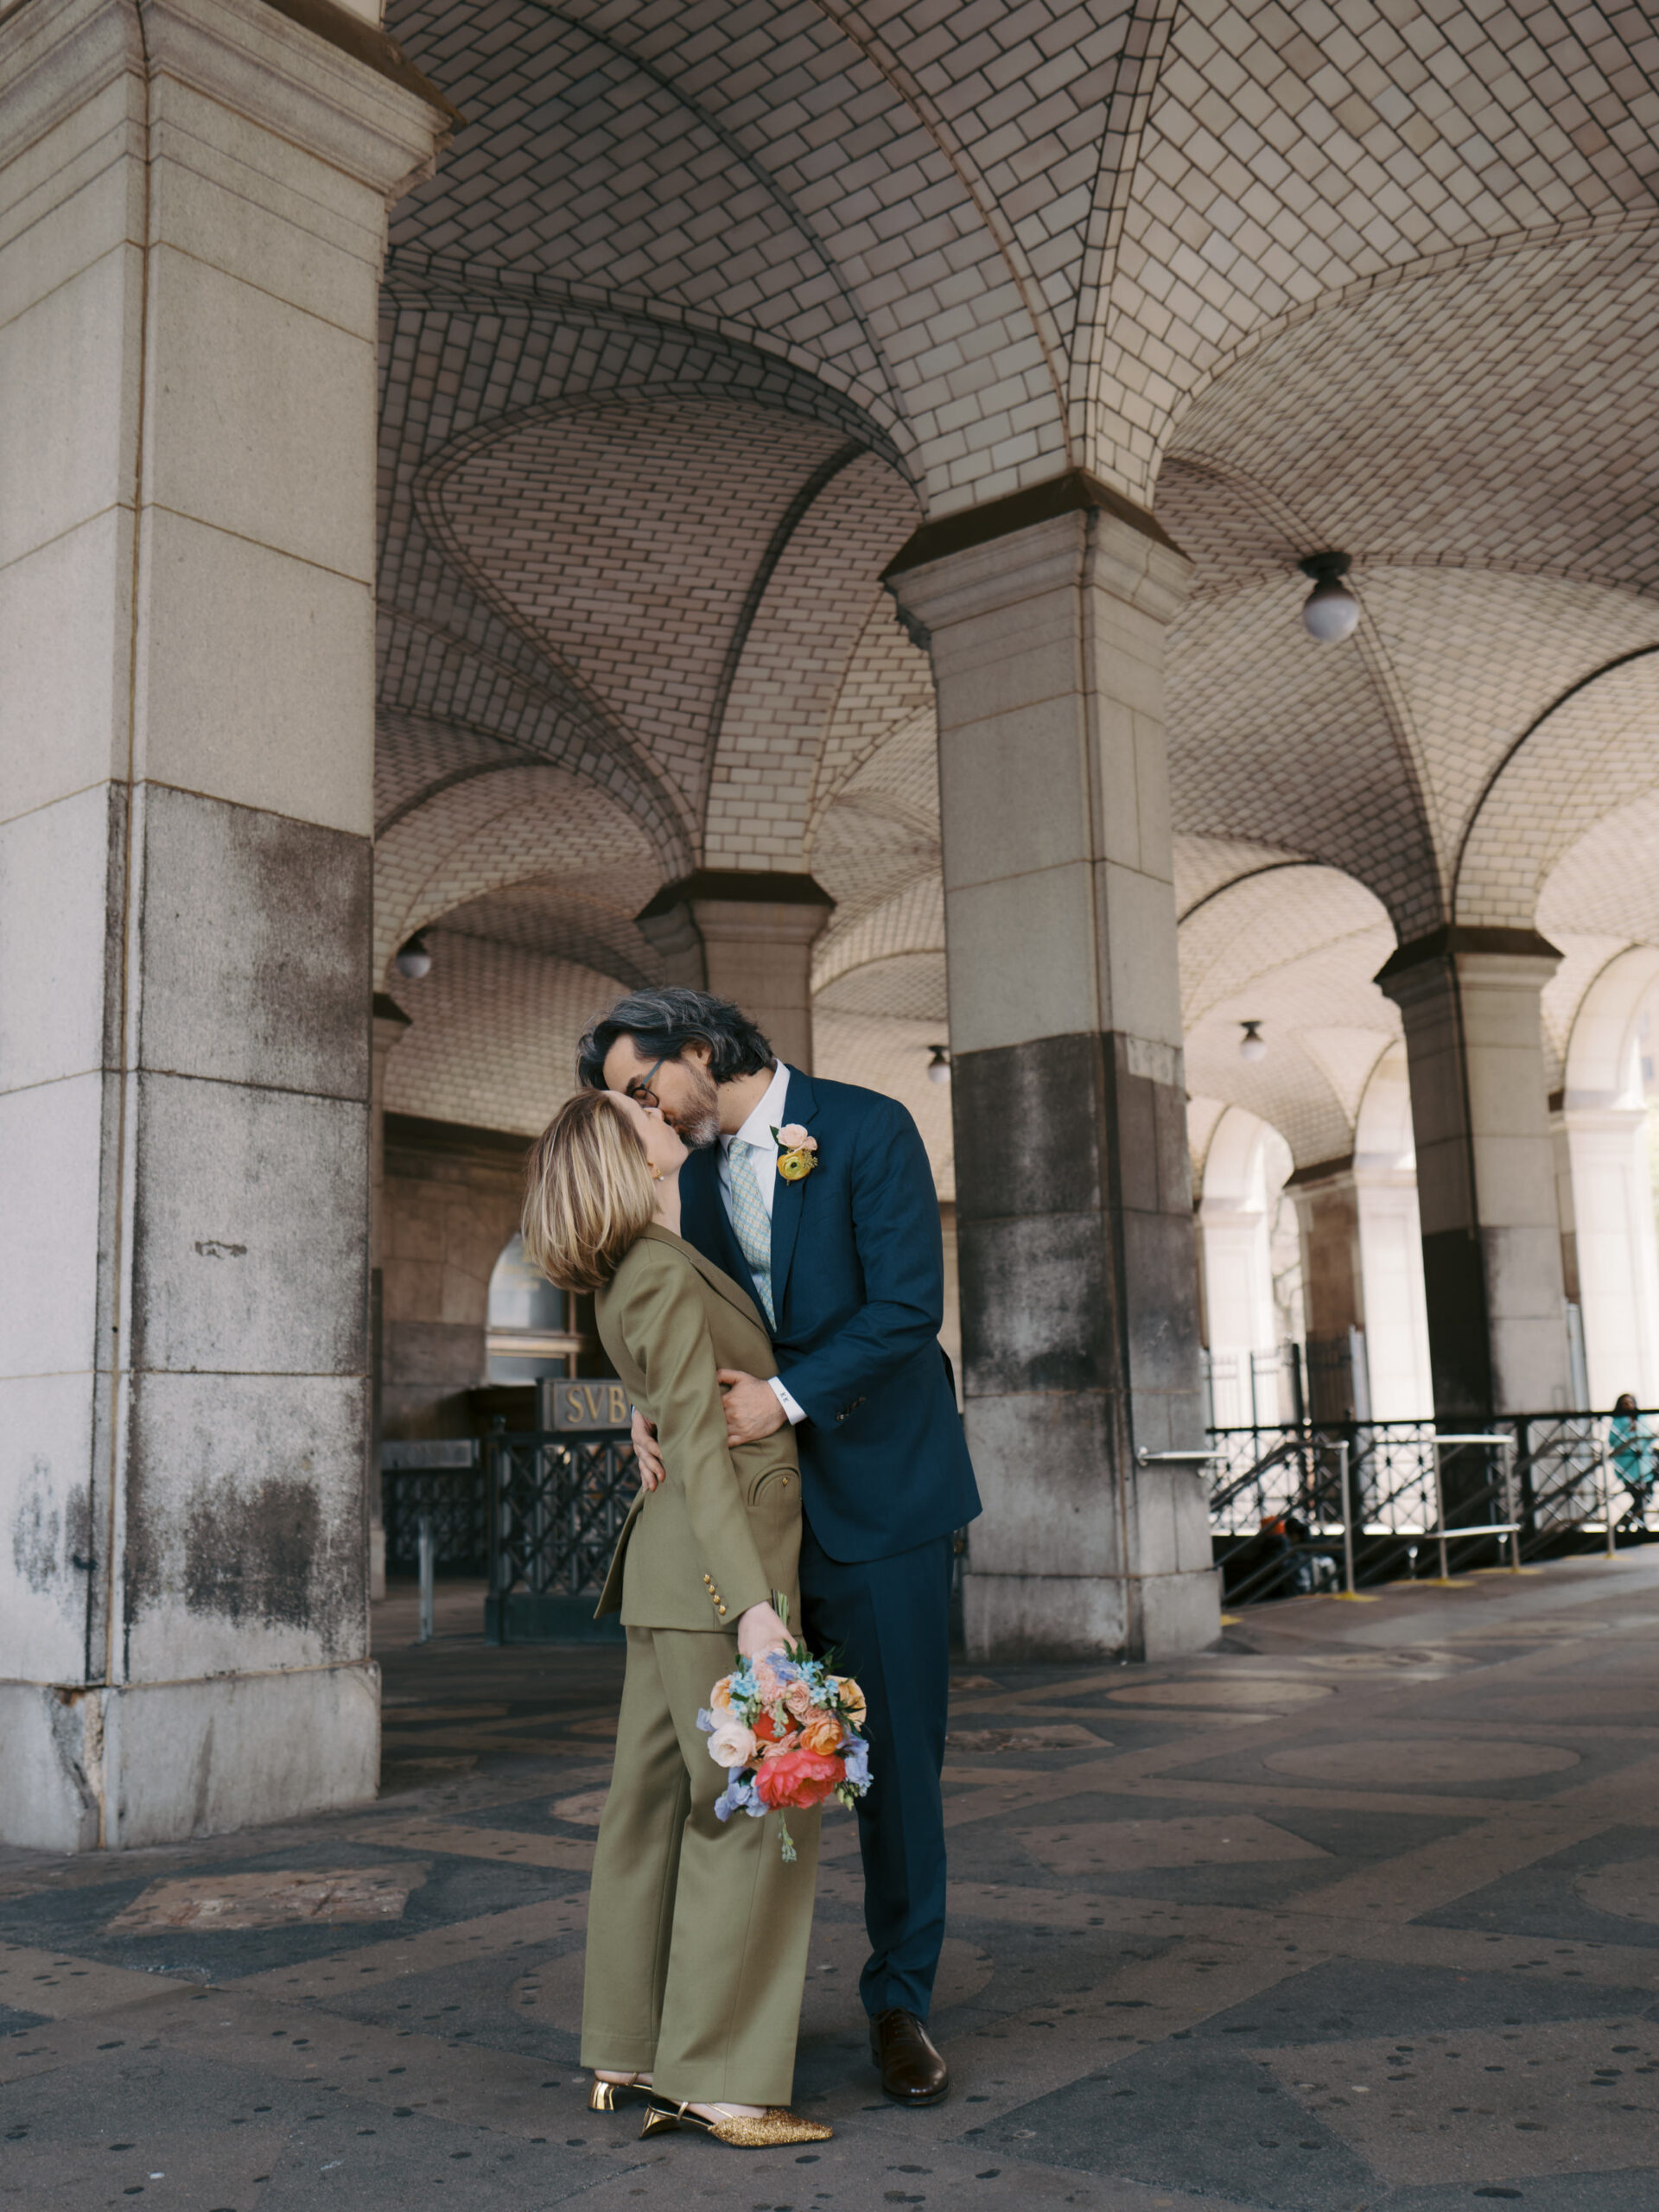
<point>1055,1618</point>
<point>173,1760</point>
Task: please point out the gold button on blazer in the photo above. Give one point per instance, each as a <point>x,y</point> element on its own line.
<point>723,1532</point>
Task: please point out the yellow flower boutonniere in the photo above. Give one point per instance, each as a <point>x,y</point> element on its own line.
<point>798,1152</point>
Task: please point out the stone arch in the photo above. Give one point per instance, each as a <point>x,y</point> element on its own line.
<point>1246,1164</point>
<point>1551,790</point>
<point>1604,1180</point>
<point>1234,1161</point>
<point>1604,1047</point>
<point>1296,948</point>
<point>1383,1127</point>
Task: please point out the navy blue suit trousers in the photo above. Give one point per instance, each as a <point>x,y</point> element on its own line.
<point>889,1619</point>
<point>858,1289</point>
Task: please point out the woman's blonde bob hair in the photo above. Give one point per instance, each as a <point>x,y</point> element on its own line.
<point>590,1192</point>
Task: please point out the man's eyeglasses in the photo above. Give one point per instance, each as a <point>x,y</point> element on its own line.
<point>639,1088</point>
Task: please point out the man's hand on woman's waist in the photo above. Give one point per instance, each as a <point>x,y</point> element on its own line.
<point>753,1409</point>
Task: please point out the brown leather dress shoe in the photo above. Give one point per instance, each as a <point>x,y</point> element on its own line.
<point>913,2071</point>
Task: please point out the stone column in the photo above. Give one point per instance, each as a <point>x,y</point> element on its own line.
<point>192,218</point>
<point>1605,1192</point>
<point>1485,1176</point>
<point>1362,1279</point>
<point>746,935</point>
<point>387,1026</point>
<point>1333,1292</point>
<point>1046,615</point>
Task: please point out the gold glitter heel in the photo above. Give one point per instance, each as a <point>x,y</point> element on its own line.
<point>602,2097</point>
<point>771,2131</point>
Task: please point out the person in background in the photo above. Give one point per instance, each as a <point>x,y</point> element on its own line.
<point>1631,1440</point>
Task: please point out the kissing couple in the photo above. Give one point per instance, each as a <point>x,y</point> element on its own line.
<point>766,1252</point>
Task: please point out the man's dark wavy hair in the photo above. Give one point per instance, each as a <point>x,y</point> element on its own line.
<point>663,1020</point>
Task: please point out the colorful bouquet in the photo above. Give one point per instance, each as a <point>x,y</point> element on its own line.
<point>785,1729</point>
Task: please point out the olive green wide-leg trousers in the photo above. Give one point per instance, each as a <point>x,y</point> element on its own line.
<point>697,1928</point>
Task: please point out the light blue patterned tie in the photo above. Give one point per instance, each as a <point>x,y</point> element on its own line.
<point>752,1223</point>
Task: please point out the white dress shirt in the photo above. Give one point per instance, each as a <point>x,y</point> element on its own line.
<point>757,1131</point>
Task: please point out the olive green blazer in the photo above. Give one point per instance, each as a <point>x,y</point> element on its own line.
<point>722,1531</point>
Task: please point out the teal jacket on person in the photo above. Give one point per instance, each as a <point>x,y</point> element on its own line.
<point>858,1290</point>
<point>1633,1448</point>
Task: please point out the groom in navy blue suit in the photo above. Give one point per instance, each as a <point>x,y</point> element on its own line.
<point>846,1262</point>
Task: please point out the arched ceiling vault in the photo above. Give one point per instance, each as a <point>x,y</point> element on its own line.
<point>1482,438</point>
<point>1295,948</point>
<point>517,825</point>
<point>1585,776</point>
<point>712,298</point>
<point>1018,241</point>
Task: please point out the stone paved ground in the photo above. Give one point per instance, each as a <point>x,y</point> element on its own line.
<point>1360,1911</point>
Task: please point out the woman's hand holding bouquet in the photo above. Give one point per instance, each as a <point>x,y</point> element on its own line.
<point>785,1726</point>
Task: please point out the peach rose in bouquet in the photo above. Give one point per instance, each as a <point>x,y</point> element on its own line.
<point>732,1744</point>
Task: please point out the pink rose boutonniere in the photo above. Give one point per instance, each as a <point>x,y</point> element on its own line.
<point>798,1152</point>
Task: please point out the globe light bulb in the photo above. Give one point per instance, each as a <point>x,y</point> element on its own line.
<point>939,1068</point>
<point>1330,612</point>
<point>413,959</point>
<point>1252,1046</point>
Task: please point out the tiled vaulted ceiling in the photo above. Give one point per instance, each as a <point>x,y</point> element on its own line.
<point>713,299</point>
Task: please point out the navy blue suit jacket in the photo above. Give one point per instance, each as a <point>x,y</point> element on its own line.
<point>858,1287</point>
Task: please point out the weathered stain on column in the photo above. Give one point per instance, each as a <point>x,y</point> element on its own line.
<point>184,903</point>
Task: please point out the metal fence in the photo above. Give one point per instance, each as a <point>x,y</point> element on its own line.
<point>441,1482</point>
<point>1382,1499</point>
<point>556,1503</point>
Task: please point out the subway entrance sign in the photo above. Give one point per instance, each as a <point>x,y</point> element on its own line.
<point>586,1406</point>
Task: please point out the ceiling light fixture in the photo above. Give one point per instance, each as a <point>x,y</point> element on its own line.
<point>939,1068</point>
<point>1330,611</point>
<point>414,960</point>
<point>1252,1046</point>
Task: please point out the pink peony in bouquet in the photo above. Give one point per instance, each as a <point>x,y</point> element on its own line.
<point>785,1729</point>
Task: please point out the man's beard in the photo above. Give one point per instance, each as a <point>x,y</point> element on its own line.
<point>700,1127</point>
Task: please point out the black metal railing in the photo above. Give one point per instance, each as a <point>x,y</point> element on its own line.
<point>441,1482</point>
<point>1414,1500</point>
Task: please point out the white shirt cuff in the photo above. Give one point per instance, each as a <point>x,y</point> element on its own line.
<point>795,1414</point>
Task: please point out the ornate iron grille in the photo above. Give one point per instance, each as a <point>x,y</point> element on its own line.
<point>557,1504</point>
<point>456,1500</point>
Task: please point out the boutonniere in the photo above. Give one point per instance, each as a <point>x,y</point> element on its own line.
<point>798,1152</point>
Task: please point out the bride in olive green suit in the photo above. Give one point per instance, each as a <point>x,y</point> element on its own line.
<point>697,1930</point>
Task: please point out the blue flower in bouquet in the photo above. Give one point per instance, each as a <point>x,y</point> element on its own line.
<point>738,1796</point>
<point>855,1756</point>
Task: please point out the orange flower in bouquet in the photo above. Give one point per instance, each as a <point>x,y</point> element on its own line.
<point>799,1777</point>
